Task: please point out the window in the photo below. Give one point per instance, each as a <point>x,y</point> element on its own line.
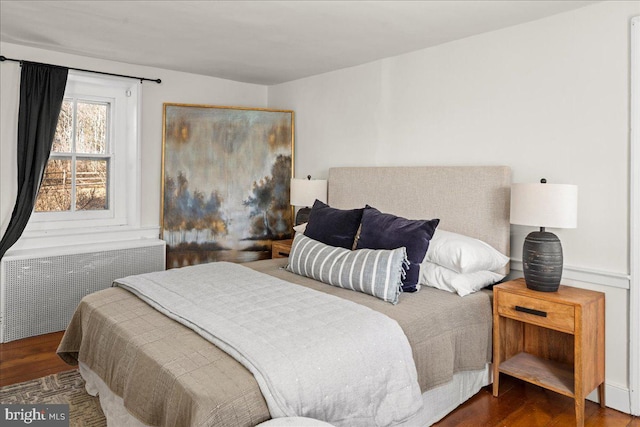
<point>91,179</point>
<point>78,174</point>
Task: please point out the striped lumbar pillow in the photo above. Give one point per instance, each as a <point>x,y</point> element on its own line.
<point>374,272</point>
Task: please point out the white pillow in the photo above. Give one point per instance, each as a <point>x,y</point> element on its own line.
<point>440,277</point>
<point>463,254</point>
<point>300,228</point>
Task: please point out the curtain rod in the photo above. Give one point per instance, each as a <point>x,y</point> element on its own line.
<point>4,58</point>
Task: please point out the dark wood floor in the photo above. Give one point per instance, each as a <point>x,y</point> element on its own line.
<point>524,405</point>
<point>519,405</point>
<point>30,358</point>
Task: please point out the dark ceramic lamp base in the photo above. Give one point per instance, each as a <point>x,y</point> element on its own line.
<point>303,215</point>
<point>542,261</point>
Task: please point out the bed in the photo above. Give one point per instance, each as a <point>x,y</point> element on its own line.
<point>150,370</point>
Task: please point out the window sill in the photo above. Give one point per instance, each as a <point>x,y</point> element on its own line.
<point>82,236</point>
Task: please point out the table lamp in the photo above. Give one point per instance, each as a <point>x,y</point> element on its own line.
<point>304,192</point>
<point>543,205</point>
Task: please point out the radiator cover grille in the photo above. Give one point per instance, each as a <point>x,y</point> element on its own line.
<point>40,294</point>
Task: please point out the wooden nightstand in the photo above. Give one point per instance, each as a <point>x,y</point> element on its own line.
<point>552,339</point>
<point>281,248</point>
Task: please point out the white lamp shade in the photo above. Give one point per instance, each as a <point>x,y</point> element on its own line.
<point>305,191</point>
<point>544,205</point>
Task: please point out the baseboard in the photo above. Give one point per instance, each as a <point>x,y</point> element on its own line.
<point>615,397</point>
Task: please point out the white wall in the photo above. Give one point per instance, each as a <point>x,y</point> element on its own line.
<point>176,87</point>
<point>547,98</point>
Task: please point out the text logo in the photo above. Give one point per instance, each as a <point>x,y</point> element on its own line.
<point>34,415</point>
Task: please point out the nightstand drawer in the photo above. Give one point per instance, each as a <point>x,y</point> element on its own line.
<point>281,248</point>
<point>547,314</point>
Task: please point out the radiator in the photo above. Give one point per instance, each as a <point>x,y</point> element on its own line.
<point>39,293</point>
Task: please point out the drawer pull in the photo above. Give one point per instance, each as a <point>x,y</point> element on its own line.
<point>531,311</point>
<point>286,254</point>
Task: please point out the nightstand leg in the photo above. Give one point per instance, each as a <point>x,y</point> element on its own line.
<point>580,412</point>
<point>601,395</point>
<point>497,351</point>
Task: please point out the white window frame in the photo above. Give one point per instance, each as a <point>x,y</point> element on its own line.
<point>634,220</point>
<point>124,191</point>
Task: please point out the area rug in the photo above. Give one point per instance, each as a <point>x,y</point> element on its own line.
<point>62,388</point>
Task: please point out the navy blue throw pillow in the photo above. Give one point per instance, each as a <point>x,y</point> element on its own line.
<point>386,231</point>
<point>333,227</point>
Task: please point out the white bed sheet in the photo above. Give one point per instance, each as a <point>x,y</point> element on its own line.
<point>438,402</point>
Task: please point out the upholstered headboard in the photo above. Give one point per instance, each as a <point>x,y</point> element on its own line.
<point>470,200</point>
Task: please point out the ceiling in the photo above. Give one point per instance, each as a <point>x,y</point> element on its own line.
<point>263,42</point>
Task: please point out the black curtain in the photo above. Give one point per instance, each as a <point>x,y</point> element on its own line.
<point>41,94</point>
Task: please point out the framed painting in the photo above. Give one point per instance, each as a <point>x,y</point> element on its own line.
<point>226,174</point>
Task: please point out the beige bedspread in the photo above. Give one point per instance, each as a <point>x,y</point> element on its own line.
<point>170,376</point>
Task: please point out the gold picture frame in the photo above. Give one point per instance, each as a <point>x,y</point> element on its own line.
<point>226,174</point>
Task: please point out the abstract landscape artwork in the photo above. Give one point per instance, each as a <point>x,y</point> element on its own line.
<point>226,174</point>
